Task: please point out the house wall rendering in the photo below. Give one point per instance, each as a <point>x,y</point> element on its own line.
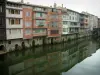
<point>70,22</point>
<point>28,24</point>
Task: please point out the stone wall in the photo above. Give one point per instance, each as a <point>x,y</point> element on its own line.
<point>10,45</point>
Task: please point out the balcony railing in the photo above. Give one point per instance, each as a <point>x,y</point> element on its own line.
<point>41,25</point>
<point>10,7</point>
<point>45,11</point>
<point>40,34</point>
<point>39,18</point>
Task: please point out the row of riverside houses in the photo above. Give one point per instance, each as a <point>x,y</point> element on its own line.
<point>24,24</point>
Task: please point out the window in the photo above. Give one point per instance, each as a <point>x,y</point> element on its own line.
<point>70,18</point>
<point>40,22</point>
<point>65,22</point>
<point>14,21</point>
<point>1,8</point>
<point>76,18</point>
<point>54,24</point>
<point>64,29</point>
<point>27,24</point>
<point>27,31</point>
<point>39,30</point>
<point>37,15</point>
<point>12,11</point>
<point>54,16</point>
<point>40,15</point>
<point>82,20</point>
<point>17,21</point>
<point>73,18</point>
<point>54,10</point>
<point>86,20</point>
<point>54,31</point>
<point>9,31</point>
<point>17,12</point>
<point>39,9</point>
<point>27,13</point>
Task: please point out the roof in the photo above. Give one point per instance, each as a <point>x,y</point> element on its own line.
<point>73,11</point>
<point>28,4</point>
<point>89,14</point>
<point>83,14</point>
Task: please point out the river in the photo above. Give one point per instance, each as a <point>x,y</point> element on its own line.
<point>79,57</point>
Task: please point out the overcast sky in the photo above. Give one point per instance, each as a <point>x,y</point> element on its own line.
<point>91,6</point>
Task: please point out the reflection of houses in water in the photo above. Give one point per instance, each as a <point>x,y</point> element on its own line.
<point>83,50</point>
<point>54,59</point>
<point>64,59</point>
<point>40,65</point>
<point>73,56</point>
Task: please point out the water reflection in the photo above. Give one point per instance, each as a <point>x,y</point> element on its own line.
<point>48,60</point>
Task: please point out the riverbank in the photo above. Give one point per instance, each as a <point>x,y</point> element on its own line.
<point>20,44</point>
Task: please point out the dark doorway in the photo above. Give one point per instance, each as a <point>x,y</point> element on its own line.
<point>44,41</point>
<point>52,41</point>
<point>33,43</point>
<point>2,47</point>
<point>23,45</point>
<point>16,47</point>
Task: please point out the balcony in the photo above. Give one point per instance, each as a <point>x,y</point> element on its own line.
<point>39,32</point>
<point>11,7</point>
<point>39,18</point>
<point>14,33</point>
<point>13,15</point>
<point>8,25</point>
<point>53,13</point>
<point>74,26</point>
<point>43,11</point>
<point>41,25</point>
<point>84,22</point>
<point>53,32</point>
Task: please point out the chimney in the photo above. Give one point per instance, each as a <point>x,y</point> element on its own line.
<point>62,5</point>
<point>55,5</point>
<point>22,1</point>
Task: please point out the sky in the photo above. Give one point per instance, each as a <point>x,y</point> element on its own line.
<point>90,6</point>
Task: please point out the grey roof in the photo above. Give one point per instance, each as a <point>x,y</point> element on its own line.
<point>33,5</point>
<point>73,11</point>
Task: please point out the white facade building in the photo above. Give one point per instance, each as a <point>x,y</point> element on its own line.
<point>14,22</point>
<point>92,21</point>
<point>70,20</point>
